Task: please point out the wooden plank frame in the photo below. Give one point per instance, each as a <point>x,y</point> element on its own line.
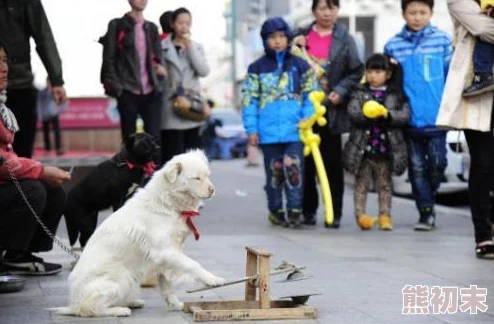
<point>242,310</point>
<point>251,309</point>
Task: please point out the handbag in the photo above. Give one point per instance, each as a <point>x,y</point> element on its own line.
<point>189,104</point>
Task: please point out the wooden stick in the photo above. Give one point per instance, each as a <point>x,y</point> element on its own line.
<point>263,282</point>
<point>250,270</point>
<point>237,281</point>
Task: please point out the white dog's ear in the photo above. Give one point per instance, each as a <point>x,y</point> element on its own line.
<point>172,171</point>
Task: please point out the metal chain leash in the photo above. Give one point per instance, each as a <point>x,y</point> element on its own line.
<point>38,219</point>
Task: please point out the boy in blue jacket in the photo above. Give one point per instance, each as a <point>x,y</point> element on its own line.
<point>424,53</point>
<point>275,99</point>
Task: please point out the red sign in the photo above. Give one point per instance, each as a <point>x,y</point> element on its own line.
<point>88,113</point>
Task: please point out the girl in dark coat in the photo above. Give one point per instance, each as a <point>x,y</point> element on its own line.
<point>376,149</point>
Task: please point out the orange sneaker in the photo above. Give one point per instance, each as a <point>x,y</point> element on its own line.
<point>385,223</point>
<point>365,222</point>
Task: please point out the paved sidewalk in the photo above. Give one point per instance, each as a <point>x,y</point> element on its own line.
<point>361,274</point>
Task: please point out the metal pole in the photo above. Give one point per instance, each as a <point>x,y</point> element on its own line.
<point>233,7</point>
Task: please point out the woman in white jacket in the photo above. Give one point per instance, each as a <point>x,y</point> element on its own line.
<point>186,63</point>
<point>473,115</point>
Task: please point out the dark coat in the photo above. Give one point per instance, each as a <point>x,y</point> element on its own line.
<point>19,21</point>
<point>121,60</point>
<point>399,114</point>
<point>344,71</point>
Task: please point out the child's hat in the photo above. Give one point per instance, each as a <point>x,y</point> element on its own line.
<point>276,24</point>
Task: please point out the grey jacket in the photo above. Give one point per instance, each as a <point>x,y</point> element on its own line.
<point>399,114</point>
<point>185,69</point>
<point>344,71</point>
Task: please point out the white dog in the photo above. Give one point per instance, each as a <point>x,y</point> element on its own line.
<point>148,231</point>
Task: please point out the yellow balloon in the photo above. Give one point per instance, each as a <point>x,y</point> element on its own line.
<point>311,143</point>
<point>372,109</point>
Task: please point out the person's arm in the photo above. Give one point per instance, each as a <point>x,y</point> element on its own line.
<point>399,117</point>
<point>111,81</point>
<point>250,102</point>
<point>21,168</point>
<point>157,52</point>
<point>355,70</point>
<point>448,55</point>
<point>156,43</point>
<point>355,110</point>
<point>468,14</point>
<point>197,57</point>
<point>39,28</point>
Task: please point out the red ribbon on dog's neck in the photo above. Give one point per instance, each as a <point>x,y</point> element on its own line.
<point>188,214</point>
<point>148,167</point>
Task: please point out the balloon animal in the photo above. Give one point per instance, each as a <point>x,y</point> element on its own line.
<point>311,143</point>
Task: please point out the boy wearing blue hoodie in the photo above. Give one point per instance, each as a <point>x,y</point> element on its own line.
<point>275,99</point>
<point>424,53</point>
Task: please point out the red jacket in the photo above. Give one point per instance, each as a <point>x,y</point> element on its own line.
<point>22,168</point>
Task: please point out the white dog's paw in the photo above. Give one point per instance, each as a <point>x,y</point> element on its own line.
<point>124,312</point>
<point>213,280</point>
<point>173,303</point>
<point>116,311</point>
<point>138,303</point>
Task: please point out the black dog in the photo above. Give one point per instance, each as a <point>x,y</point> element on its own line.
<point>108,185</point>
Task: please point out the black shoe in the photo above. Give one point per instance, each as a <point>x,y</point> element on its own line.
<point>277,218</point>
<point>334,225</point>
<point>294,218</point>
<point>309,219</point>
<point>485,252</point>
<point>426,224</point>
<point>30,265</point>
<point>482,82</point>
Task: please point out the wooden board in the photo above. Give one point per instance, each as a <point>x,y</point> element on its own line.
<point>258,252</point>
<point>248,310</point>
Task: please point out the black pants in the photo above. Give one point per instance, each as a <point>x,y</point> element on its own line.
<point>332,157</point>
<point>54,122</point>
<point>483,56</point>
<point>148,106</point>
<point>22,102</point>
<point>19,230</point>
<point>481,182</point>
<point>175,141</point>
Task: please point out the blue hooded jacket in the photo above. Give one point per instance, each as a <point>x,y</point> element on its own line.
<point>276,91</point>
<point>425,56</point>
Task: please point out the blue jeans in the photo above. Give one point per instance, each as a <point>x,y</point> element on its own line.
<point>284,165</point>
<point>427,162</point>
<point>483,57</point>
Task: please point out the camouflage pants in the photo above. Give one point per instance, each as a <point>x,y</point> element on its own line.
<point>379,172</point>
